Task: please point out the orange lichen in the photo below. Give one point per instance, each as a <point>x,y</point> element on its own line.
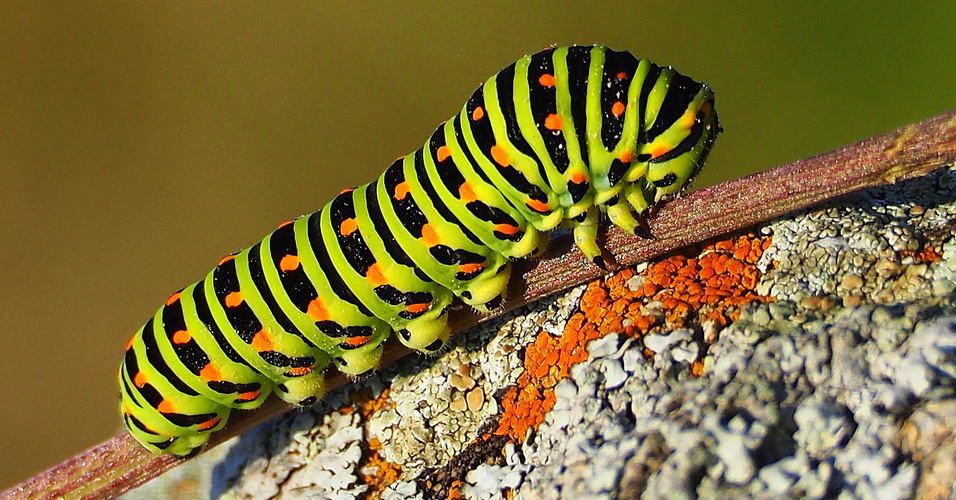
<point>547,361</point>
<point>377,472</point>
<point>454,491</point>
<point>709,286</point>
<point>926,255</point>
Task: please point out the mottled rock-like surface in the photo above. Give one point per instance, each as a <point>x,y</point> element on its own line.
<point>814,357</point>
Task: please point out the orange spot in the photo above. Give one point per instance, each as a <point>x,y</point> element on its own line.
<point>172,299</point>
<point>301,370</point>
<point>500,156</point>
<point>166,406</point>
<point>317,310</point>
<point>626,157</point>
<point>659,151</point>
<point>210,373</point>
<point>346,190</point>
<point>249,396</point>
<point>546,80</point>
<point>348,227</point>
<point>478,113</point>
<point>289,263</point>
<point>181,337</point>
<point>139,380</point>
<point>261,342</point>
<point>617,109</point>
<point>552,122</point>
<point>429,235</point>
<point>466,194</point>
<point>622,75</point>
<point>226,259</point>
<point>506,228</point>
<point>374,275</point>
<point>285,223</point>
<point>419,308</point>
<point>209,424</point>
<point>129,343</point>
<point>443,153</point>
<point>401,190</point>
<point>579,177</point>
<point>234,299</point>
<point>357,341</point>
<point>471,268</point>
<point>538,206</point>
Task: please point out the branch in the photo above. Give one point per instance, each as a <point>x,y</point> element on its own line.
<point>120,464</point>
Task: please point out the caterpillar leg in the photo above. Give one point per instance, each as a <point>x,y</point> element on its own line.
<point>428,334</point>
<point>491,293</point>
<point>360,361</point>
<point>302,391</point>
<point>541,247</point>
<point>622,216</point>
<point>636,197</point>
<point>585,236</point>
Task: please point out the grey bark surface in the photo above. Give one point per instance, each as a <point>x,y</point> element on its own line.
<point>844,387</point>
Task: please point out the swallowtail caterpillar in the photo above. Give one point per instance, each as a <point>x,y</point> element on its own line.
<point>570,135</point>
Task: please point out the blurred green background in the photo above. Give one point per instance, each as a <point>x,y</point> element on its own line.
<point>141,142</point>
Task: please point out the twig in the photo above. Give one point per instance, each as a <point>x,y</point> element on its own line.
<point>120,464</point>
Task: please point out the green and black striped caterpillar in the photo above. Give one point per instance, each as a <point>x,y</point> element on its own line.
<point>560,136</point>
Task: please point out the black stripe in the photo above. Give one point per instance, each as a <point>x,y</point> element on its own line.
<point>189,353</point>
<point>295,282</point>
<point>353,246</point>
<point>325,263</point>
<point>614,89</point>
<point>155,358</point>
<point>395,251</point>
<point>242,318</point>
<point>259,279</point>
<point>437,201</point>
<point>504,84</point>
<point>205,315</point>
<point>134,422</point>
<point>579,65</point>
<point>682,91</point>
<point>543,104</point>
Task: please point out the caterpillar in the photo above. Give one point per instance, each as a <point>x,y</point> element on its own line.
<point>567,136</point>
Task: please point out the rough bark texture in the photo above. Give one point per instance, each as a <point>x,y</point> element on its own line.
<point>479,454</point>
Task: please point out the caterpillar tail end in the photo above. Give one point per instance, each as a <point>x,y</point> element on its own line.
<point>183,442</point>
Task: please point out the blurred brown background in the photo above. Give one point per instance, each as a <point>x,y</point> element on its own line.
<point>140,143</point>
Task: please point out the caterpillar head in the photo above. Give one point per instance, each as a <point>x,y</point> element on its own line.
<point>680,130</point>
